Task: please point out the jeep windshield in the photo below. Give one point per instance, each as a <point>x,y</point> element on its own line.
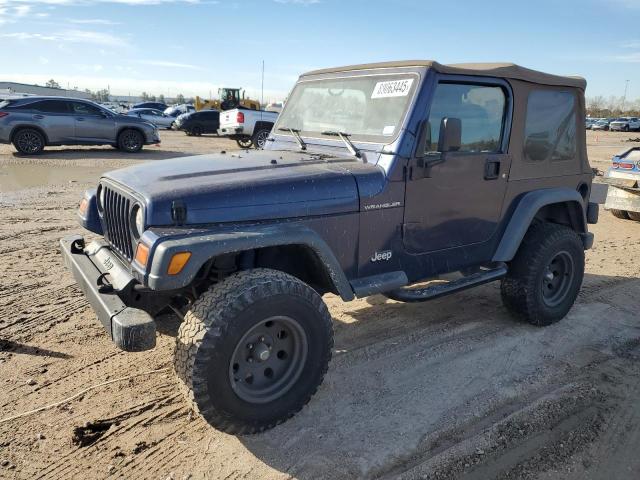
<point>369,108</point>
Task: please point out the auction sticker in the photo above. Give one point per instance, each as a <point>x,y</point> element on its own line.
<point>392,88</point>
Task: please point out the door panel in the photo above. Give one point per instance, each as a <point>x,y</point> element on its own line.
<point>91,125</point>
<point>54,117</point>
<point>457,205</point>
<point>457,200</point>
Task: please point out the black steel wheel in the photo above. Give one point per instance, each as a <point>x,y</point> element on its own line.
<point>268,359</point>
<point>545,276</point>
<point>259,139</point>
<point>253,349</point>
<point>557,278</point>
<point>245,142</point>
<point>29,141</point>
<point>130,141</point>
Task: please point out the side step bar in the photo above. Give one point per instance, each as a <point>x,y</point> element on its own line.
<point>434,291</point>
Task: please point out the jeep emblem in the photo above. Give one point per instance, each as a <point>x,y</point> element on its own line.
<point>381,256</point>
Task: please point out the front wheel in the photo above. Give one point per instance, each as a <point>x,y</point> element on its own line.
<point>245,142</point>
<point>29,141</point>
<point>130,141</point>
<point>634,216</point>
<point>253,350</point>
<point>545,276</point>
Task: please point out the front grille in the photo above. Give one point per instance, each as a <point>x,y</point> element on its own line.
<point>116,213</point>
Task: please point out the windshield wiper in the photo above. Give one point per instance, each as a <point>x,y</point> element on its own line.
<point>296,134</point>
<point>345,138</point>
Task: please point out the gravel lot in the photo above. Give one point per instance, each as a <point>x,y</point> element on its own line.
<point>454,388</point>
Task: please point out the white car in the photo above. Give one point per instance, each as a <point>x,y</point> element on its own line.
<point>625,124</point>
<point>247,127</point>
<point>158,118</point>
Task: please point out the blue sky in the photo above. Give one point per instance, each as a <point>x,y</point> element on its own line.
<point>195,46</point>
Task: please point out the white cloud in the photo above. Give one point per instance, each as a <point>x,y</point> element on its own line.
<point>70,36</point>
<point>91,21</point>
<point>166,64</point>
<point>628,58</point>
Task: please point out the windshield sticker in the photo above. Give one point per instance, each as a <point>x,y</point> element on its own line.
<point>388,130</point>
<point>392,88</point>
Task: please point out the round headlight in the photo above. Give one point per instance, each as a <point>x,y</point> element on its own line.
<point>138,220</point>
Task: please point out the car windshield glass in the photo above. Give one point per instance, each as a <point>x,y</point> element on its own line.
<point>370,108</point>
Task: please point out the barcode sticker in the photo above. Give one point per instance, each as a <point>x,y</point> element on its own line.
<point>392,88</point>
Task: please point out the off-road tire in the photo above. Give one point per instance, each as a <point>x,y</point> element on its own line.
<point>245,142</point>
<point>621,214</point>
<point>522,288</point>
<point>634,216</point>
<point>210,334</point>
<point>130,141</point>
<point>29,141</point>
<point>259,138</point>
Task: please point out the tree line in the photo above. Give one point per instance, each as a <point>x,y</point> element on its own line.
<point>612,106</point>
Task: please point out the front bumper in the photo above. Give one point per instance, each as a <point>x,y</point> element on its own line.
<point>131,329</point>
<point>153,137</point>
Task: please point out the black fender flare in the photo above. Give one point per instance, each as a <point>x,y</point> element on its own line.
<point>262,125</point>
<point>205,244</point>
<point>527,208</point>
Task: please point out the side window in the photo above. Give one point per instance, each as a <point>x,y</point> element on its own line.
<point>50,106</point>
<point>481,110</point>
<point>550,126</point>
<point>80,108</point>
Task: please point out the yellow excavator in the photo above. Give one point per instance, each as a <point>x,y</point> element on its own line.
<point>229,98</point>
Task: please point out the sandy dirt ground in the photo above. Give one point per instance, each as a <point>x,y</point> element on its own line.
<point>454,388</point>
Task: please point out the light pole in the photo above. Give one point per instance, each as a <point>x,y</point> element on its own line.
<point>624,97</point>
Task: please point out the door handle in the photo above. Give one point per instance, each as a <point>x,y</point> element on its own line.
<point>38,117</point>
<point>491,169</point>
<point>80,119</point>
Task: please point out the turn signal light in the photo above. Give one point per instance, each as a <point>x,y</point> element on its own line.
<point>142,254</point>
<point>84,205</point>
<point>177,263</point>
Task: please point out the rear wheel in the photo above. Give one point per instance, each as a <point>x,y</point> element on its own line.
<point>29,141</point>
<point>130,141</point>
<point>622,214</point>
<point>259,138</point>
<point>245,142</point>
<point>197,130</point>
<point>634,216</point>
<point>253,350</point>
<point>545,276</point>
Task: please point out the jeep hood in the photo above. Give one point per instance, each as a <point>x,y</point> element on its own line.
<point>243,186</point>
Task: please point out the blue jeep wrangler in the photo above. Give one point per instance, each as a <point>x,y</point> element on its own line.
<point>376,178</point>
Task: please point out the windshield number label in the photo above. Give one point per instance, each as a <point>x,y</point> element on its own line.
<point>392,88</point>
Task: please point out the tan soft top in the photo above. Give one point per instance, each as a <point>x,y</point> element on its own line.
<point>504,70</point>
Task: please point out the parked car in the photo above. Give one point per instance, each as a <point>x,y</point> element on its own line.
<point>156,105</point>
<point>158,118</point>
<point>625,124</point>
<point>247,127</point>
<point>197,123</point>
<point>176,110</point>
<point>623,194</point>
<point>363,191</point>
<point>590,122</point>
<point>602,124</point>
<point>32,123</point>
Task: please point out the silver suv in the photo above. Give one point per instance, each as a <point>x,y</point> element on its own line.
<point>32,123</point>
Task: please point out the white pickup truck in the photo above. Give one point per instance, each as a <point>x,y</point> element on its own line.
<point>247,127</point>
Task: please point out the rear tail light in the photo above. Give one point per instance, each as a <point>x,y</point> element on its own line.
<point>240,117</point>
<point>626,166</point>
<point>3,114</point>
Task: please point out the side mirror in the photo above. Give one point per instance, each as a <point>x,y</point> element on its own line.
<point>424,139</point>
<point>450,138</point>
